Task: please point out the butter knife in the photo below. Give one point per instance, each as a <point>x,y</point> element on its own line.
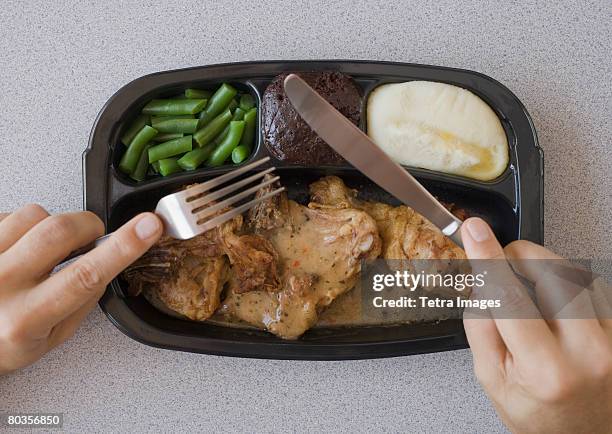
<point>359,150</point>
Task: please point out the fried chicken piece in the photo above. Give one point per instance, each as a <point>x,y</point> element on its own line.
<point>269,214</point>
<point>405,233</point>
<point>165,259</point>
<point>287,262</point>
<point>410,242</point>
<point>186,276</point>
<point>287,313</point>
<point>254,263</point>
<point>319,255</point>
<point>195,291</point>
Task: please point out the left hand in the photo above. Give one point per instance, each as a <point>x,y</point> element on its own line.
<point>38,311</point>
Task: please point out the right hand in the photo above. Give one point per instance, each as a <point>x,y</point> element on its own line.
<point>552,375</point>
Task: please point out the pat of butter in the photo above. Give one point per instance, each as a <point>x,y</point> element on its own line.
<point>439,127</point>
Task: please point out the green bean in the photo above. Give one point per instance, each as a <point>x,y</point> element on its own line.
<point>250,119</point>
<point>217,103</point>
<point>234,104</point>
<point>247,102</point>
<point>214,127</point>
<point>170,149</point>
<point>135,126</point>
<point>154,165</point>
<point>237,116</point>
<point>225,148</point>
<point>168,166</point>
<point>156,119</point>
<point>132,154</point>
<point>167,136</point>
<point>217,140</point>
<point>197,94</point>
<point>240,153</point>
<point>191,160</point>
<point>188,126</point>
<point>140,172</point>
<point>167,107</point>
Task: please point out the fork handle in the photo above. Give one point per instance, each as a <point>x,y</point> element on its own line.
<point>79,252</point>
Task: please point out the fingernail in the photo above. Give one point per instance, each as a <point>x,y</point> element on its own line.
<point>478,229</point>
<point>147,227</point>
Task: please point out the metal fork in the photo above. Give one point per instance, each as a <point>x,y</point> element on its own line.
<point>185,213</point>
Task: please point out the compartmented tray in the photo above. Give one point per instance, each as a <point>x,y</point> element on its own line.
<point>512,203</point>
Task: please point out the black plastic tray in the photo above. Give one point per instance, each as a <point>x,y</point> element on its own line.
<point>512,203</point>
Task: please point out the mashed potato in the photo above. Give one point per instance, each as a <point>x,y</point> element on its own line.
<point>439,127</point>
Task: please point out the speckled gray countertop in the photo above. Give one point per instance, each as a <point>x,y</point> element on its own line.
<point>62,60</point>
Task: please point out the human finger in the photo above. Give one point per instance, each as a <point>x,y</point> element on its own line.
<point>488,348</point>
<point>44,246</point>
<point>564,291</point>
<point>602,300</point>
<point>572,314</point>
<point>16,225</point>
<point>518,321</point>
<point>65,292</point>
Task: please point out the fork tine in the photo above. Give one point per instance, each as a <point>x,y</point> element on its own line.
<point>226,190</point>
<point>231,200</point>
<point>215,182</point>
<point>212,223</point>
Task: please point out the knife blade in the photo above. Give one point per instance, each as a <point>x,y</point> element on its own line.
<point>357,148</point>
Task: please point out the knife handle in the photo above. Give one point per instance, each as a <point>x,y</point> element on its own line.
<point>453,231</point>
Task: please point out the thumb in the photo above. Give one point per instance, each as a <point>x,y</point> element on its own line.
<point>481,331</point>
<point>486,255</point>
<point>488,260</point>
<point>479,241</point>
<point>529,339</point>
